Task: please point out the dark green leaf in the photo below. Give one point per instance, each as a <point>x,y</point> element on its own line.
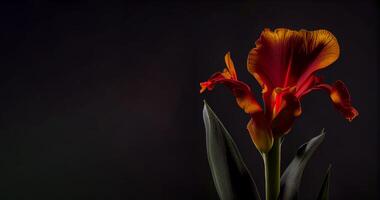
<point>324,192</point>
<point>232,178</point>
<point>291,178</point>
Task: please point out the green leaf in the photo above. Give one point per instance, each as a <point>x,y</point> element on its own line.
<point>291,178</point>
<point>324,192</point>
<point>231,176</point>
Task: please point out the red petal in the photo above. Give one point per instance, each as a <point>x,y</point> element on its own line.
<point>288,109</point>
<point>285,58</point>
<point>240,90</point>
<point>341,99</point>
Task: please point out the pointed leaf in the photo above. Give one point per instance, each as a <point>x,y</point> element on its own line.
<point>291,178</point>
<point>231,176</point>
<point>324,192</point>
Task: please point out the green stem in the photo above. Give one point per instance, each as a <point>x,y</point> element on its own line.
<point>272,161</point>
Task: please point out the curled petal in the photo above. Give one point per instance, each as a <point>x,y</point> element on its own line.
<point>285,57</point>
<point>341,99</point>
<point>240,90</point>
<point>230,71</point>
<point>260,132</point>
<point>206,85</point>
<point>289,108</point>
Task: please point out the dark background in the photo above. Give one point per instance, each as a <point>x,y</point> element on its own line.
<point>100,100</point>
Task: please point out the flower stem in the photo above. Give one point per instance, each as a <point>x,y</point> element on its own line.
<point>272,161</point>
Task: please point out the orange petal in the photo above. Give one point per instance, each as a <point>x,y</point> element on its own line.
<point>230,66</point>
<point>285,58</point>
<point>260,132</point>
<point>246,102</point>
<point>205,85</point>
<point>240,90</point>
<point>341,99</point>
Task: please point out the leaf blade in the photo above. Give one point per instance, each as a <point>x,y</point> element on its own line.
<point>231,176</point>
<point>324,192</point>
<point>291,178</point>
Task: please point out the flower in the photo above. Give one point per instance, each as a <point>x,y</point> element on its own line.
<point>284,63</point>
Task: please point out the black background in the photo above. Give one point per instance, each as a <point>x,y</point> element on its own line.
<point>100,100</point>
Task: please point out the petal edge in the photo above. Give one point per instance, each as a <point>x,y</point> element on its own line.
<point>341,99</point>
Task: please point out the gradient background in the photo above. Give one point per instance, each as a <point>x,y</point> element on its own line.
<point>100,101</point>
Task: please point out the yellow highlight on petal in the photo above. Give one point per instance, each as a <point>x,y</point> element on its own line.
<point>260,134</point>
<point>249,105</point>
<point>230,66</point>
<point>335,97</point>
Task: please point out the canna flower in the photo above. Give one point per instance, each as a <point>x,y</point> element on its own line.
<point>284,63</point>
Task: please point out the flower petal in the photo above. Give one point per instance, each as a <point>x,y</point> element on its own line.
<point>230,66</point>
<point>341,99</point>
<point>240,90</point>
<point>288,109</point>
<point>285,58</point>
<point>308,86</point>
<point>260,132</point>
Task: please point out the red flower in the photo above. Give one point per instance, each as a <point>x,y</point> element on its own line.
<point>284,63</point>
